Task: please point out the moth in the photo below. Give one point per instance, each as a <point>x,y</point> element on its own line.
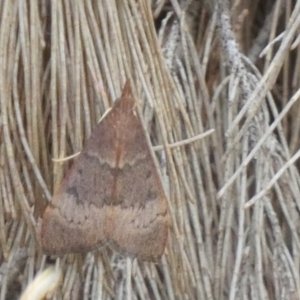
<point>112,194</point>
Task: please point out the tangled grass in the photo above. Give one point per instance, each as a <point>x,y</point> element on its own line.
<point>233,195</point>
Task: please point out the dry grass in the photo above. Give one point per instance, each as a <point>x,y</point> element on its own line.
<point>233,196</point>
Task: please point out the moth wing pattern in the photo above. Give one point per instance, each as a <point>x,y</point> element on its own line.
<point>112,194</point>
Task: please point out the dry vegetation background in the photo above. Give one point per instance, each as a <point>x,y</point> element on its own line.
<point>233,196</point>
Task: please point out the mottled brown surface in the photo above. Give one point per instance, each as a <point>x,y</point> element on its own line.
<point>112,194</point>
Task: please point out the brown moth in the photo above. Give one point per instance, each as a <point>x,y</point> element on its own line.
<point>112,194</point>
